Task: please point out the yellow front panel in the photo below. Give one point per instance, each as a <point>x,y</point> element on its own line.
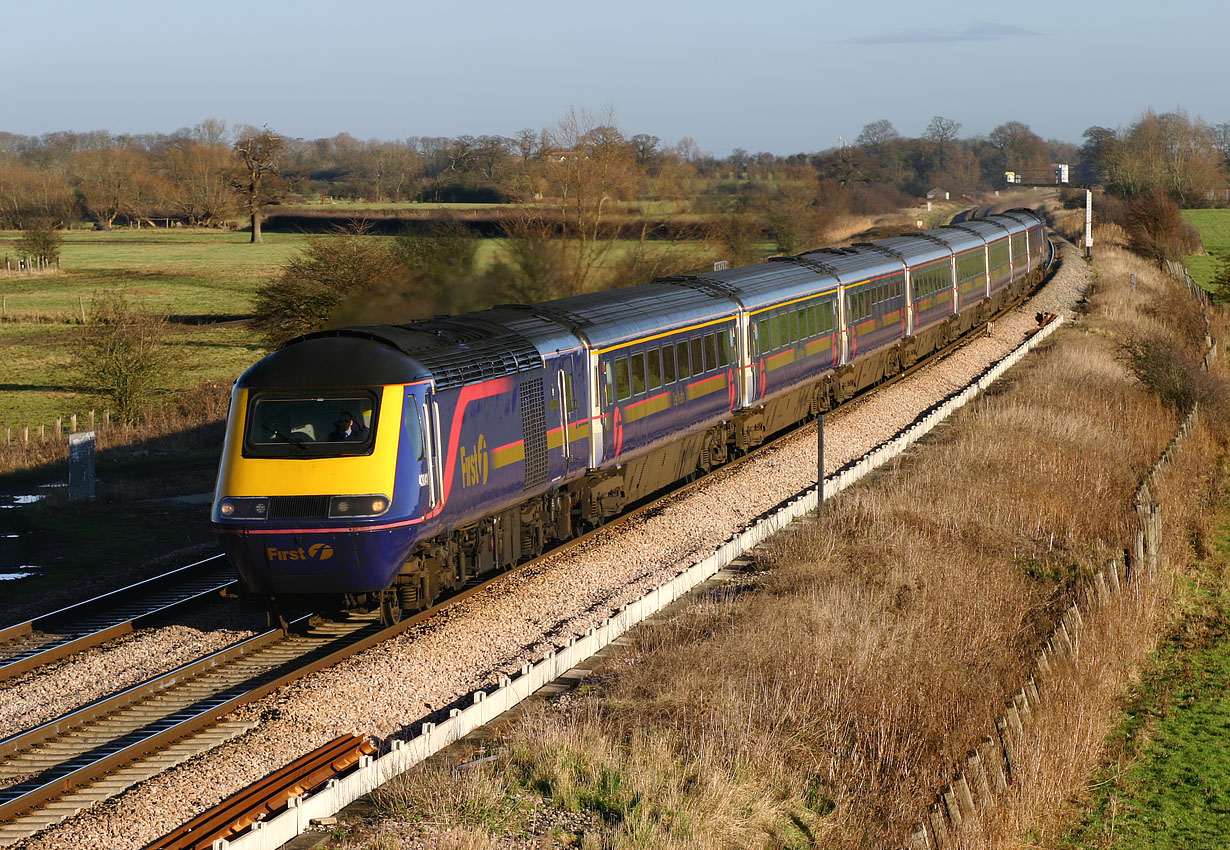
<point>259,476</point>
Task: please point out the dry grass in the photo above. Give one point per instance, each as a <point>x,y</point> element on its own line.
<point>826,702</point>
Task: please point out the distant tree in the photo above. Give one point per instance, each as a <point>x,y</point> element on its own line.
<point>114,181</point>
<point>256,178</point>
<point>877,134</point>
<point>122,354</point>
<point>40,241</point>
<point>1019,149</point>
<point>942,132</point>
<point>314,284</point>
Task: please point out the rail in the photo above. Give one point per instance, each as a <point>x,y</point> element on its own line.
<point>50,637</point>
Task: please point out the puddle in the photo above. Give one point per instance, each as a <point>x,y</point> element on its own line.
<point>25,572</point>
<point>18,501</point>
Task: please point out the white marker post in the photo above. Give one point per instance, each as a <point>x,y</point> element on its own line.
<point>1088,224</point>
<point>81,466</point>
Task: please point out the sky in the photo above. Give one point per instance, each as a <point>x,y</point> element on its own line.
<point>765,75</point>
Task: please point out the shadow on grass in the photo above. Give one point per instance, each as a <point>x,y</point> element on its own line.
<point>135,528</point>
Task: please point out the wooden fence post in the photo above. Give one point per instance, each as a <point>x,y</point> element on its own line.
<point>993,761</point>
<point>72,424</point>
<point>939,828</point>
<point>91,420</point>
<point>59,427</point>
<point>950,806</point>
<point>978,774</point>
<point>965,800</point>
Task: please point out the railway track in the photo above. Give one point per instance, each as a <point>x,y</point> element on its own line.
<point>54,770</point>
<point>34,643</point>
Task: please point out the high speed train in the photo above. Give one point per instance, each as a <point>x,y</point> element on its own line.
<point>380,465</point>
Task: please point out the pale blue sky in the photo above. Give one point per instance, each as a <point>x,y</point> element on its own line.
<point>761,75</point>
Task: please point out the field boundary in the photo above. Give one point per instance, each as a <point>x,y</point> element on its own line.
<point>990,766</point>
<point>483,706</point>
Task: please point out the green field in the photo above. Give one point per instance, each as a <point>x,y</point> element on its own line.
<point>190,275</point>
<point>1169,784</point>
<point>1214,227</point>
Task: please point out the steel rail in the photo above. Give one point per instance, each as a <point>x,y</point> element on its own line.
<point>266,796</point>
<point>50,637</point>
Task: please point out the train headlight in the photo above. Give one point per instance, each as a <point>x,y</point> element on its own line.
<point>343,507</point>
<point>248,508</point>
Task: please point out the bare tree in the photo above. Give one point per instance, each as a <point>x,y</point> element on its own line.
<point>256,179</point>
<point>877,134</point>
<point>942,132</point>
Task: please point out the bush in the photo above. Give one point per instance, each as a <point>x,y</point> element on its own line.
<point>122,354</point>
<point>1156,230</point>
<point>312,287</point>
<point>40,241</point>
<point>1168,372</point>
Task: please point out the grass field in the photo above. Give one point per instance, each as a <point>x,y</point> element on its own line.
<point>1169,786</point>
<point>1214,227</point>
<point>191,275</point>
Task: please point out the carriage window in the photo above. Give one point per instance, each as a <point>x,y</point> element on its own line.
<point>811,321</point>
<point>698,358</point>
<point>681,349</point>
<point>655,368</point>
<point>668,363</point>
<point>794,326</point>
<point>710,353</point>
<point>638,373</point>
<point>723,339</point>
<point>623,387</point>
<point>783,330</point>
<point>763,336</point>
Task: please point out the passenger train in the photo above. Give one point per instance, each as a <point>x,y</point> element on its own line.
<point>480,438</point>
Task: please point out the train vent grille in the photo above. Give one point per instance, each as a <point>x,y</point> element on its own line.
<point>534,426</point>
<point>299,507</point>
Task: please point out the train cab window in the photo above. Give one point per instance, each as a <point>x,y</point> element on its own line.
<point>681,349</point>
<point>282,426</point>
<point>655,368</point>
<point>623,386</point>
<point>668,364</point>
<point>638,373</point>
<point>698,357</point>
<point>710,353</point>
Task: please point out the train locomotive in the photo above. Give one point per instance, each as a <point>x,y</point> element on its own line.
<point>382,465</point>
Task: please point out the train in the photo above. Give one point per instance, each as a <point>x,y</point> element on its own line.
<point>379,466</point>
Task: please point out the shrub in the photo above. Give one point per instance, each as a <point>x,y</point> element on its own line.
<point>40,241</point>
<point>121,357</point>
<point>313,285</point>
<point>1156,230</point>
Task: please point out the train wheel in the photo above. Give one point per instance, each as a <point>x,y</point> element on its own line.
<point>390,608</point>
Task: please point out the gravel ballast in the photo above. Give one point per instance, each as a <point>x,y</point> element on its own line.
<point>390,689</point>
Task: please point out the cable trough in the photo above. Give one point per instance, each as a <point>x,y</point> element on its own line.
<point>34,643</point>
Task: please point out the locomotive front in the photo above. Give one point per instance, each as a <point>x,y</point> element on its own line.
<point>322,485</point>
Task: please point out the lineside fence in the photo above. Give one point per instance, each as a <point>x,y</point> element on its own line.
<point>483,706</point>
<point>991,767</point>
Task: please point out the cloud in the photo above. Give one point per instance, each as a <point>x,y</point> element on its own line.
<point>980,31</point>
